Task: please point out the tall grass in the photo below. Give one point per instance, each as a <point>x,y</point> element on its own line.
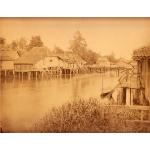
<point>89,116</point>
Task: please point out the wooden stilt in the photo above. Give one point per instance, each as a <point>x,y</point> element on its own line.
<point>21,75</point>
<point>42,74</point>
<point>36,74</point>
<point>5,73</point>
<point>13,73</point>
<point>29,75</point>
<point>18,75</point>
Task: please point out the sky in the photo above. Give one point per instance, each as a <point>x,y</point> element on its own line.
<point>103,35</point>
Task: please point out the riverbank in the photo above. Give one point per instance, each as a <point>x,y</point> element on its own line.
<point>83,116</point>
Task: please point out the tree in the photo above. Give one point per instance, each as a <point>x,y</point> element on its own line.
<point>112,58</point>
<point>22,44</point>
<point>2,41</point>
<point>91,57</point>
<point>79,46</point>
<point>58,50</point>
<point>35,42</point>
<point>18,45</point>
<point>14,45</point>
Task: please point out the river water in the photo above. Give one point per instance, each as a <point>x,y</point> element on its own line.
<point>26,101</point>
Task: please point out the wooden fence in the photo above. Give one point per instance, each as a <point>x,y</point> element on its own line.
<point>143,111</point>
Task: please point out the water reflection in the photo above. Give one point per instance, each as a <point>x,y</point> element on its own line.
<point>25,101</point>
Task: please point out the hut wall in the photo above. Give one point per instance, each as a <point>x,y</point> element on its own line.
<point>40,65</point>
<point>145,71</point>
<point>23,67</point>
<point>147,91</point>
<point>7,65</point>
<point>54,62</point>
<point>142,70</point>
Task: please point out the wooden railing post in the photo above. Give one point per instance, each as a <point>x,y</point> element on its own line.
<point>142,115</point>
<point>149,114</point>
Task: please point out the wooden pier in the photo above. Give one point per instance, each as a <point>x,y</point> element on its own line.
<point>38,74</point>
<point>54,71</point>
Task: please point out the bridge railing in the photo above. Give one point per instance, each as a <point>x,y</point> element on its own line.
<point>142,110</point>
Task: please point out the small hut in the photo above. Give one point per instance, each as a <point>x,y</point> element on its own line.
<point>40,60</point>
<point>142,56</point>
<point>123,63</point>
<point>103,62</point>
<point>7,58</point>
<point>33,61</point>
<point>72,62</point>
<point>77,61</point>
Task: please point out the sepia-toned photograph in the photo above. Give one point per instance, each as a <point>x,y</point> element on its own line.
<point>74,75</point>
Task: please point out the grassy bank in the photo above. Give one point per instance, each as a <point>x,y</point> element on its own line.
<point>89,116</point>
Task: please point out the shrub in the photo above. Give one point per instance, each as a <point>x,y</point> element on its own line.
<point>82,116</point>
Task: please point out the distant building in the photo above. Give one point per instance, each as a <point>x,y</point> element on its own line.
<point>75,59</point>
<point>72,62</point>
<point>35,59</point>
<point>142,56</point>
<point>103,62</point>
<point>57,61</point>
<point>7,59</point>
<point>123,63</point>
<point>41,59</point>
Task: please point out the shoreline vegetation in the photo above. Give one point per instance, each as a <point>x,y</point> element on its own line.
<point>90,116</point>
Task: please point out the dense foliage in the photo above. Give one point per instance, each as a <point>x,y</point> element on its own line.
<point>90,116</point>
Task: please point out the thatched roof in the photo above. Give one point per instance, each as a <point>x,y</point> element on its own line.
<point>75,58</point>
<point>141,53</point>
<point>38,53</point>
<point>34,55</point>
<point>10,55</point>
<point>123,63</point>
<point>70,57</point>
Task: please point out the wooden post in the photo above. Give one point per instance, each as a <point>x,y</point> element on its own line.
<point>1,131</point>
<point>29,75</point>
<point>142,115</point>
<point>42,74</point>
<point>21,75</point>
<point>5,73</point>
<point>14,73</point>
<point>128,97</point>
<point>60,71</point>
<point>149,114</point>
<point>36,74</point>
<point>102,82</point>
<point>124,97</point>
